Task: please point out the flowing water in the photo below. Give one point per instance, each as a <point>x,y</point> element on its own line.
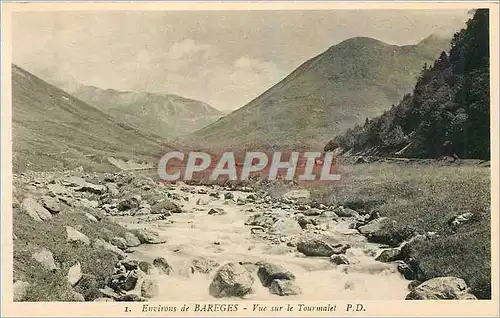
<point>225,238</point>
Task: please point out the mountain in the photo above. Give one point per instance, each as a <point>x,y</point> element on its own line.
<point>355,79</point>
<point>448,113</point>
<point>165,115</point>
<point>52,129</point>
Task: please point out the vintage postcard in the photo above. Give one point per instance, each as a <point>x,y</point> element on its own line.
<point>250,159</point>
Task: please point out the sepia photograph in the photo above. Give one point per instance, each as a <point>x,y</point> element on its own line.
<point>253,161</point>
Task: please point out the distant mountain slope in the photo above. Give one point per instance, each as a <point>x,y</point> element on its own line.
<point>353,80</point>
<point>448,113</point>
<point>165,115</point>
<point>52,130</point>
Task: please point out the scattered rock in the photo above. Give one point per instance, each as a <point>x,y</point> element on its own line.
<point>162,264</point>
<point>19,290</point>
<point>231,280</point>
<point>75,274</point>
<point>149,237</point>
<point>75,236</point>
<point>284,287</point>
<point>339,259</point>
<point>51,204</point>
<point>132,240</point>
<point>440,288</point>
<point>268,272</point>
<point>45,258</point>
<point>119,242</point>
<point>228,196</point>
<point>35,210</point>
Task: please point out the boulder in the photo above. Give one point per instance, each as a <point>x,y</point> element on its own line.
<point>374,226</point>
<point>112,189</point>
<point>130,264</point>
<point>35,210</point>
<point>346,212</point>
<point>130,202</point>
<point>77,297</point>
<point>100,244</point>
<point>268,272</point>
<point>228,195</point>
<point>217,211</point>
<point>162,264</point>
<point>19,290</point>
<point>203,201</point>
<point>149,288</point>
<point>75,274</point>
<point>231,280</point>
<point>286,226</point>
<point>149,237</point>
<point>284,287</point>
<point>51,204</point>
<point>203,265</point>
<point>75,236</point>
<point>440,288</point>
<point>389,255</point>
<point>145,267</point>
<point>132,240</point>
<point>166,207</point>
<point>339,259</point>
<point>130,281</point>
<point>119,242</point>
<point>460,219</point>
<point>131,298</point>
<point>91,218</point>
<point>317,246</point>
<point>46,259</point>
<point>312,212</point>
<point>262,219</point>
<point>297,194</point>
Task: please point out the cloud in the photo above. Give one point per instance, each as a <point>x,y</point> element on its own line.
<point>188,48</point>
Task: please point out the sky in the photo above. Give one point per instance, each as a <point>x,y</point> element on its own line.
<point>224,58</point>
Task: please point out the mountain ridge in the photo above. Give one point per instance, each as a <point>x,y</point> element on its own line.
<point>350,81</point>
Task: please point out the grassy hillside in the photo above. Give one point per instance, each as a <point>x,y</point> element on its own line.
<point>352,80</point>
<point>54,130</point>
<point>422,199</point>
<point>448,113</point>
<point>165,115</point>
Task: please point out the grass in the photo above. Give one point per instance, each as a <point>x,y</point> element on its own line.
<point>32,236</point>
<point>423,199</point>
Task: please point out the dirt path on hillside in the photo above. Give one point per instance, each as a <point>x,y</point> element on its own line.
<point>225,238</point>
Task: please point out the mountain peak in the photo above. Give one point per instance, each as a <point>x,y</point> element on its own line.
<point>360,41</point>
